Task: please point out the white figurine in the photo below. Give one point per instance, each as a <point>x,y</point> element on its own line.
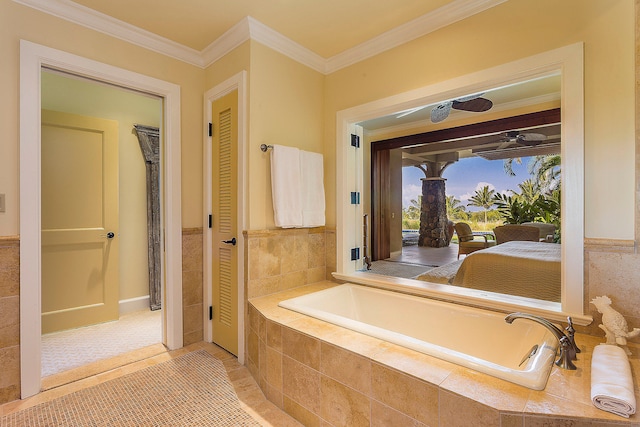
<point>613,324</point>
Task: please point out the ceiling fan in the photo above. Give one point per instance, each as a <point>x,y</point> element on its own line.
<point>475,103</point>
<point>530,139</point>
<point>441,111</point>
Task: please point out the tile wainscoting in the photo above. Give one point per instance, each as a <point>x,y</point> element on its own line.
<point>9,318</point>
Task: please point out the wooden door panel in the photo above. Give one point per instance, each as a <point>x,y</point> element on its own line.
<point>224,197</point>
<point>79,208</point>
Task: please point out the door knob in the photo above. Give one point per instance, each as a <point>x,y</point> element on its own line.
<point>109,235</point>
<point>230,242</point>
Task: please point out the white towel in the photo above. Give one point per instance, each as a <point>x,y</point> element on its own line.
<point>312,196</point>
<point>611,381</point>
<point>286,186</point>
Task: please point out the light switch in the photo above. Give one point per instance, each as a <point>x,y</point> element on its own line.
<point>2,207</point>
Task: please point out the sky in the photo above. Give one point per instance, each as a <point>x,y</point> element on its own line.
<point>466,176</point>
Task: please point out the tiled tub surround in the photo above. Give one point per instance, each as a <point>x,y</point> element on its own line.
<point>441,329</point>
<point>280,259</point>
<point>325,375</point>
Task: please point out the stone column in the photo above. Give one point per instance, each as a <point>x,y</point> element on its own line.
<point>433,215</point>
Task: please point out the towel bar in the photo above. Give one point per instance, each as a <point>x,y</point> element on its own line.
<point>265,147</point>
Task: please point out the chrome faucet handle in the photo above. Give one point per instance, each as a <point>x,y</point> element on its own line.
<point>567,355</point>
<point>570,334</point>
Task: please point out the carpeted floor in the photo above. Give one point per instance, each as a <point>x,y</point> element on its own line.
<point>70,349</point>
<point>190,390</point>
<point>397,269</point>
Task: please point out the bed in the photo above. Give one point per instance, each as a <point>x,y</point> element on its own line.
<point>527,269</point>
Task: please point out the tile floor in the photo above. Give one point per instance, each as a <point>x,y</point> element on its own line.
<point>65,350</point>
<point>251,397</point>
<point>427,256</point>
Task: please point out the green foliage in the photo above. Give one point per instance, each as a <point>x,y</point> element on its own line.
<point>412,212</point>
<point>483,198</point>
<point>456,211</point>
<point>410,224</point>
<point>517,208</point>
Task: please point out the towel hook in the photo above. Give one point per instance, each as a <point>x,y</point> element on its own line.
<point>265,147</point>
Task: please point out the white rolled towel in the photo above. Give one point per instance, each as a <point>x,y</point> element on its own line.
<point>611,381</point>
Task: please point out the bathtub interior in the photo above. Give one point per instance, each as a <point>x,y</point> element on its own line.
<point>474,338</point>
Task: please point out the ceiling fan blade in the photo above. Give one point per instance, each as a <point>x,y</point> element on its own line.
<point>530,139</point>
<point>441,112</point>
<point>476,105</point>
<point>410,111</point>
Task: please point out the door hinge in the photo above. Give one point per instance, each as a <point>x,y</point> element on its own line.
<point>355,254</point>
<point>355,197</point>
<point>210,312</point>
<point>210,221</point>
<point>355,140</point>
<point>210,129</point>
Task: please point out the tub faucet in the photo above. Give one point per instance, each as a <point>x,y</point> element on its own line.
<point>567,350</point>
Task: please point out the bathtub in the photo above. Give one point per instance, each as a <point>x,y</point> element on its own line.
<point>522,352</point>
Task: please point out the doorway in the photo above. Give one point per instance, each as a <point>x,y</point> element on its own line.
<point>94,220</point>
<point>235,86</point>
<point>33,58</point>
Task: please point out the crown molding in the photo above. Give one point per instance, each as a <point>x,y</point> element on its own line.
<point>448,14</point>
<point>250,28</point>
<point>224,44</point>
<point>286,46</point>
<point>89,18</point>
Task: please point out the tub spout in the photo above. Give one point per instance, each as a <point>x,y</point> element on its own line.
<point>567,350</point>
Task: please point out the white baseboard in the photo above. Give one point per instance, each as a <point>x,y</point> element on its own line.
<point>134,304</point>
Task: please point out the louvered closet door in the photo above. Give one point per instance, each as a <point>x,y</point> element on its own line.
<point>224,198</point>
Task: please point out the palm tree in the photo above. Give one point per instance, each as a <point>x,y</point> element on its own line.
<point>529,190</point>
<point>547,171</point>
<point>483,198</point>
<point>455,209</point>
<point>413,210</point>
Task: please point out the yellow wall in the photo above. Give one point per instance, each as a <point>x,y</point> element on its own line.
<point>20,22</point>
<point>510,31</point>
<point>286,109</point>
<point>87,98</point>
<point>291,104</point>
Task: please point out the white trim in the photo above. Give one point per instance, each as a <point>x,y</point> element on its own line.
<point>133,304</point>
<point>448,14</point>
<point>32,58</point>
<point>276,41</point>
<point>231,39</point>
<point>236,82</point>
<point>250,28</point>
<point>569,61</point>
<point>94,20</point>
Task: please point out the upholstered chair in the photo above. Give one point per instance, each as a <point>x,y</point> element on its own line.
<point>547,231</point>
<point>468,242</point>
<point>511,232</point>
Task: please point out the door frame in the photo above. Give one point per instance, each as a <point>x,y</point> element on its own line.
<point>237,82</point>
<point>32,58</point>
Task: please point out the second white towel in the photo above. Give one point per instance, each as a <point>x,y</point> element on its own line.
<point>312,187</point>
<point>611,381</point>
